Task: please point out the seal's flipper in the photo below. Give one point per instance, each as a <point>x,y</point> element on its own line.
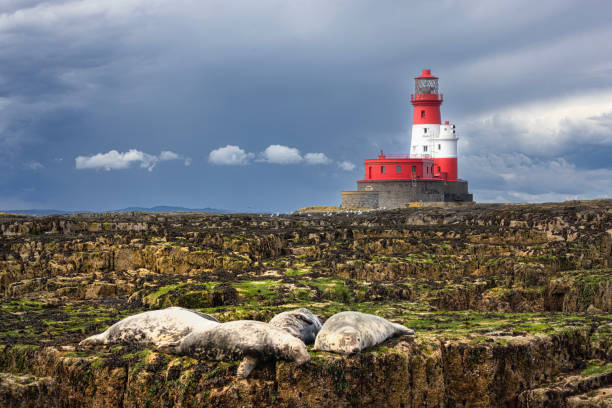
<point>95,340</point>
<point>169,347</point>
<point>403,330</point>
<point>246,366</point>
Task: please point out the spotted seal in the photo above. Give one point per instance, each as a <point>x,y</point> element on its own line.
<point>301,323</point>
<point>352,332</point>
<point>249,340</point>
<point>152,327</point>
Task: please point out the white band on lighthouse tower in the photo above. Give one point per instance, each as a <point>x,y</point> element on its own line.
<point>433,141</point>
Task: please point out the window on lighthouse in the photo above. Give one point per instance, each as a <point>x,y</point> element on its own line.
<point>424,148</point>
<point>439,147</point>
<point>424,130</point>
<point>422,113</point>
<point>382,169</point>
<point>398,169</point>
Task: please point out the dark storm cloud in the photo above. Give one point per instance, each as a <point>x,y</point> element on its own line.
<point>529,85</point>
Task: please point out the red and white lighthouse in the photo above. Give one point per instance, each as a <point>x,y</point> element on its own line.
<point>430,138</point>
<point>428,173</point>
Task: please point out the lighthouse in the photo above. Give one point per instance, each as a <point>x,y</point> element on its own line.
<point>431,138</point>
<point>428,173</point>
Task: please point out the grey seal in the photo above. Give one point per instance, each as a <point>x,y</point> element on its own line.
<point>301,323</point>
<point>152,327</point>
<point>352,332</point>
<point>249,340</point>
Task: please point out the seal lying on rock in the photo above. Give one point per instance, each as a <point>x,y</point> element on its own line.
<point>249,340</point>
<point>351,332</point>
<point>301,323</point>
<point>152,327</point>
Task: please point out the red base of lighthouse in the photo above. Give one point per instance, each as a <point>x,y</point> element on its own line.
<point>394,168</point>
<point>446,166</point>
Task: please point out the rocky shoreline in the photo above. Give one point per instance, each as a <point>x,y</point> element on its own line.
<point>511,304</point>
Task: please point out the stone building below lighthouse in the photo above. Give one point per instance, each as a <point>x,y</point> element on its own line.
<point>428,174</point>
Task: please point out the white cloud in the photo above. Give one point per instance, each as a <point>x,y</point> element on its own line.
<point>346,166</point>
<point>279,154</point>
<point>517,177</point>
<point>316,158</point>
<point>168,155</point>
<point>548,127</point>
<point>273,154</point>
<point>230,155</point>
<point>525,152</point>
<point>114,160</point>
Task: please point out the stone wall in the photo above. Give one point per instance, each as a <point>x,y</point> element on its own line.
<point>359,199</point>
<point>396,194</point>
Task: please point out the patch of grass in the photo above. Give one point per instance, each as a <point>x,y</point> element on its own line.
<point>332,289</point>
<point>419,259</point>
<point>162,291</point>
<point>594,369</point>
<point>296,272</point>
<point>97,363</point>
<point>214,373</point>
<point>140,358</point>
<point>261,288</point>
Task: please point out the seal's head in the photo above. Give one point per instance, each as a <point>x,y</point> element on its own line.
<point>301,355</point>
<point>293,349</point>
<point>348,339</point>
<point>290,348</point>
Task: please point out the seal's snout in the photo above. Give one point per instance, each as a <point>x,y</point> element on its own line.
<point>302,356</point>
<point>302,359</point>
<point>350,342</point>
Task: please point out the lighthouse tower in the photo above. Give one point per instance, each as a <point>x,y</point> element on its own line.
<point>428,174</point>
<point>430,138</point>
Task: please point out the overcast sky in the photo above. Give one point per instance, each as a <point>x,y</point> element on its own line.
<point>273,105</point>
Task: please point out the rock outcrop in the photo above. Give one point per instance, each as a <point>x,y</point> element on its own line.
<point>511,304</point>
